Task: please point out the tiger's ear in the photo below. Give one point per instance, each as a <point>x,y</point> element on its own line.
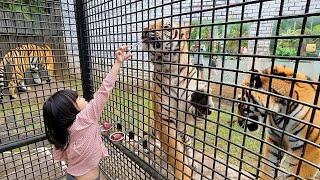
<point>255,80</point>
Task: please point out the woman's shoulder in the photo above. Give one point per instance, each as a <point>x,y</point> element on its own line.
<point>81,123</point>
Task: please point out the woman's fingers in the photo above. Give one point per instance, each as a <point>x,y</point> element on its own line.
<point>128,56</point>
<point>123,48</point>
<point>121,55</point>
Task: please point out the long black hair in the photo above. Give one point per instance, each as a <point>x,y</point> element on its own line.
<point>59,113</point>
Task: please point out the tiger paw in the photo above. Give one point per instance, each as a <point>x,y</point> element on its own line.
<point>157,143</point>
<point>23,88</point>
<point>191,163</point>
<point>37,81</point>
<point>13,96</point>
<point>193,166</point>
<point>36,78</point>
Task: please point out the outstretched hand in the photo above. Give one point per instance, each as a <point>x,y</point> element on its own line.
<point>121,54</point>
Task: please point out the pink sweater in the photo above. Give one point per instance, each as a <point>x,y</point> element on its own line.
<point>86,147</point>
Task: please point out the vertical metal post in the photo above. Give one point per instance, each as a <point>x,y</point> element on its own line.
<point>84,49</point>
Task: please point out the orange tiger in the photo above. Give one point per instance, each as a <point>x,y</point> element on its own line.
<point>297,132</point>
<point>178,96</point>
<point>16,63</point>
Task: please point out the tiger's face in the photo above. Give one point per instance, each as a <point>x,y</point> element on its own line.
<point>161,37</point>
<point>254,100</point>
<point>249,111</point>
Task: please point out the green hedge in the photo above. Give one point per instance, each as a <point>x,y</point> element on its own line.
<point>233,31</point>
<point>26,7</point>
<point>292,27</point>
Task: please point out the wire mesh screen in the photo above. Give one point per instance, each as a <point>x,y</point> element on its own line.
<point>206,94</point>
<point>38,56</point>
<point>225,89</point>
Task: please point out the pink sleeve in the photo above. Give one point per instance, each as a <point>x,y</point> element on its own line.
<point>94,108</point>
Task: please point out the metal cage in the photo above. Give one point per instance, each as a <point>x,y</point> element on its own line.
<point>257,60</point>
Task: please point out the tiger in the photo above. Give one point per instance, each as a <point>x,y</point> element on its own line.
<point>251,114</point>
<point>29,58</point>
<point>177,95</point>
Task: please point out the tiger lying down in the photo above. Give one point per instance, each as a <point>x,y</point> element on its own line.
<point>178,96</point>
<point>298,136</point>
<point>25,65</point>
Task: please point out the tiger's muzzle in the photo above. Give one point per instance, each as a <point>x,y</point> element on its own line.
<point>202,104</point>
<point>246,123</point>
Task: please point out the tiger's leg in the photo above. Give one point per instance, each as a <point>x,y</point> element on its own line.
<point>157,133</point>
<point>12,87</point>
<point>270,155</point>
<point>175,150</point>
<point>307,171</point>
<point>157,118</point>
<point>22,87</point>
<point>157,129</point>
<point>188,149</point>
<point>36,78</point>
<point>187,141</point>
<point>21,84</point>
<point>18,69</point>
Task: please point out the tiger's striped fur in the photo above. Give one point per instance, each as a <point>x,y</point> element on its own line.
<point>277,107</point>
<point>177,95</point>
<point>15,64</point>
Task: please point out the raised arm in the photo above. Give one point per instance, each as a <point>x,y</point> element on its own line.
<point>94,108</point>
